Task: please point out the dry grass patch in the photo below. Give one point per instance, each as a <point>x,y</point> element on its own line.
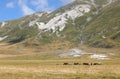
<point>49,70</point>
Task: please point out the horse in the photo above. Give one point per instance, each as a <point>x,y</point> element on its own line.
<point>86,64</point>
<point>76,64</point>
<point>65,63</point>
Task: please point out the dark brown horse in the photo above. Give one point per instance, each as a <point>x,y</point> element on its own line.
<point>65,63</point>
<point>86,64</point>
<point>76,64</point>
<point>98,63</point>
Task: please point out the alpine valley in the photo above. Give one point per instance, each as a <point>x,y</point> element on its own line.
<point>80,24</point>
<point>80,40</point>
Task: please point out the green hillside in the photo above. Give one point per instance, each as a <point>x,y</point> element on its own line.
<point>104,30</point>
<point>100,27</point>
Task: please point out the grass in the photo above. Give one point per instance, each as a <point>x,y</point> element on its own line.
<point>18,62</point>
<point>104,26</point>
<point>47,69</point>
<point>43,62</point>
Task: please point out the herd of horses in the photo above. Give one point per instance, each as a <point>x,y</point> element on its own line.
<point>97,63</point>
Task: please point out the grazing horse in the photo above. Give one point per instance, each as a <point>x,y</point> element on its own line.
<point>86,64</point>
<point>98,63</point>
<point>65,63</point>
<point>76,64</point>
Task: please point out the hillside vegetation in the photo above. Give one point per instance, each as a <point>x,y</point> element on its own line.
<point>37,46</point>
<point>104,30</point>
<point>87,22</point>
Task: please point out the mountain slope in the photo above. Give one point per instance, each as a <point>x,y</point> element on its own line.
<point>104,31</point>
<point>91,22</point>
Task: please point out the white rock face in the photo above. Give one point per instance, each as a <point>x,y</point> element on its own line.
<point>103,37</point>
<point>73,53</point>
<point>110,1</point>
<point>39,14</point>
<point>3,24</point>
<point>89,19</point>
<point>60,20</point>
<point>99,56</point>
<point>32,23</point>
<point>40,25</point>
<point>2,38</point>
<point>77,11</point>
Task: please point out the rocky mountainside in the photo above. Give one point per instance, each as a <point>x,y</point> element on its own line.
<point>90,22</point>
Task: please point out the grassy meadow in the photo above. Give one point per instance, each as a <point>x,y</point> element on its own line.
<point>53,69</point>
<point>29,63</point>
